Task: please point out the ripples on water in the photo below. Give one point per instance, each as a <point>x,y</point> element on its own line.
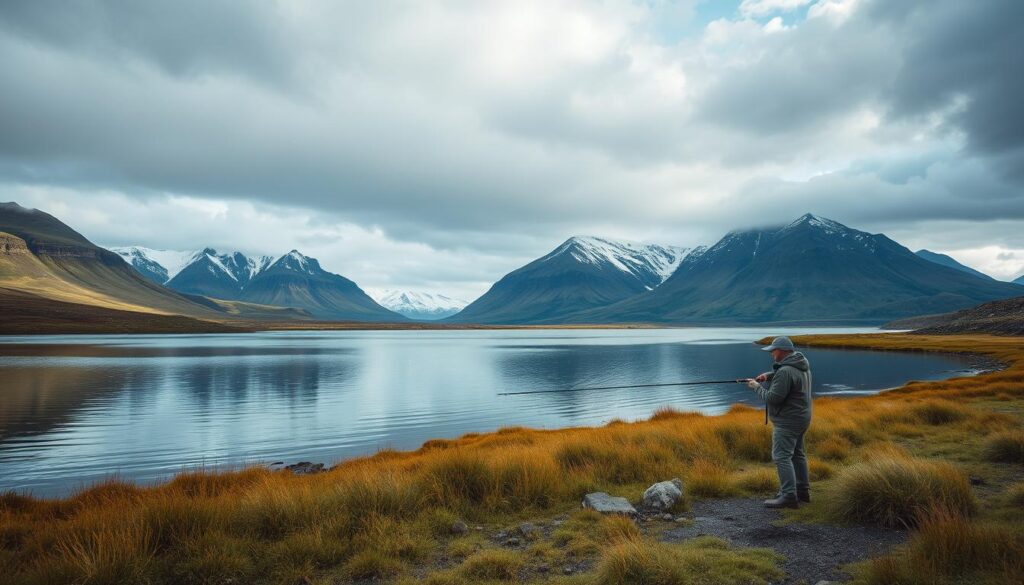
<point>76,409</point>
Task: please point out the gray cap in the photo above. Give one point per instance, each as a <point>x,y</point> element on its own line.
<point>780,343</point>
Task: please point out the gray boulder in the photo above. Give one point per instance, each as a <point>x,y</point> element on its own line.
<point>605,504</point>
<point>663,495</point>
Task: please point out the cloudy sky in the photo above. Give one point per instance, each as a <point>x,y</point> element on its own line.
<point>438,145</point>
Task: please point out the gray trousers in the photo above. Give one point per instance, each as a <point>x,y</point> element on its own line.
<point>790,459</point>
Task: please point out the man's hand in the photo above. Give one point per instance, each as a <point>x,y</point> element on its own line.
<point>753,384</point>
<point>761,377</point>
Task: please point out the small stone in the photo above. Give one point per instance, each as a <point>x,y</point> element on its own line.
<point>478,528</point>
<point>542,568</point>
<point>663,495</point>
<point>567,570</point>
<point>606,504</point>
<point>512,542</point>
<point>666,517</point>
<point>459,527</point>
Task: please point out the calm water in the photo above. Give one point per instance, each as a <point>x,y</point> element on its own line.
<point>76,409</point>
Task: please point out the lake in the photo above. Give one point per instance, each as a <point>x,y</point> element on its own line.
<point>77,409</point>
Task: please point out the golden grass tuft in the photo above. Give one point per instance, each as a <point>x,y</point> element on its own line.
<point>701,560</point>
<point>946,547</point>
<point>496,565</point>
<point>1005,447</point>
<point>757,481</point>
<point>835,448</point>
<point>897,492</point>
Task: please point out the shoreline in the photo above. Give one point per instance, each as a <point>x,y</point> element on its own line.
<point>457,511</point>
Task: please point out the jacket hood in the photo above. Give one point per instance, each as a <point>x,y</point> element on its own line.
<point>797,360</point>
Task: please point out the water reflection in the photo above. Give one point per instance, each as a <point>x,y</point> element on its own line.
<point>77,408</point>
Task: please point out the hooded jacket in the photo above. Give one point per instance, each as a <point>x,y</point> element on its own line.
<point>788,392</point>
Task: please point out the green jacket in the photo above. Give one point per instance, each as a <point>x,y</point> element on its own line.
<point>787,395</point>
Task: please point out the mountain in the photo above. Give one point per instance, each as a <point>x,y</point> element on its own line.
<point>156,265</point>
<point>45,259</point>
<point>583,272</point>
<point>419,305</point>
<point>945,260</point>
<point>812,270</point>
<point>1020,280</point>
<point>223,276</point>
<point>294,280</point>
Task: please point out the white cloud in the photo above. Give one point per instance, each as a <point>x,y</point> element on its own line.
<point>755,8</point>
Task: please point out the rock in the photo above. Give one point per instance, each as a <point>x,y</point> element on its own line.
<point>663,495</point>
<point>514,541</point>
<point>529,531</point>
<point>567,570</point>
<point>459,527</point>
<point>305,468</point>
<point>543,568</point>
<point>826,583</point>
<point>666,517</point>
<point>605,504</point>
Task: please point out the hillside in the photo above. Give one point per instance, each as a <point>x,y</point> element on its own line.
<point>43,257</point>
<point>813,270</point>
<point>582,273</point>
<point>1004,317</point>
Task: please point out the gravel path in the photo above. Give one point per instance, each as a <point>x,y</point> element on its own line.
<point>813,552</point>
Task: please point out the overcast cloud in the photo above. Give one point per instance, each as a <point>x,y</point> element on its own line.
<point>438,145</point>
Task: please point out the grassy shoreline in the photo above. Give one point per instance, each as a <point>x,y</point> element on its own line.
<point>394,515</point>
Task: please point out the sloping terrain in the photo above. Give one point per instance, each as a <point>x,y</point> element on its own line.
<point>813,270</point>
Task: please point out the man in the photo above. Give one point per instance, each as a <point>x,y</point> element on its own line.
<point>786,391</point>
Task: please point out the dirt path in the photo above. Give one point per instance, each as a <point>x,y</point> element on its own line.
<point>813,552</point>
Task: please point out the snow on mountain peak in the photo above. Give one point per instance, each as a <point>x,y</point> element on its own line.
<point>418,304</point>
<point>629,257</point>
<point>172,261</point>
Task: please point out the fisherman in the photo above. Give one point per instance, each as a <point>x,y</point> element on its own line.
<point>786,390</point>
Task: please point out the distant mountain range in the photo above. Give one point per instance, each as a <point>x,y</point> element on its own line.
<point>811,270</point>
<point>419,305</point>
<point>291,280</point>
<point>584,272</point>
<point>949,261</point>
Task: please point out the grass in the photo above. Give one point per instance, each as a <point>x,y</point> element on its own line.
<point>699,561</point>
<point>899,458</point>
<point>896,492</point>
<point>1005,447</point>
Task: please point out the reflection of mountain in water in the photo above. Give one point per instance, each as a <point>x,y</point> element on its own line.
<point>40,399</point>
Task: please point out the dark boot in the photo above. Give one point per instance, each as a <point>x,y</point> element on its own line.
<point>804,496</point>
<point>783,501</point>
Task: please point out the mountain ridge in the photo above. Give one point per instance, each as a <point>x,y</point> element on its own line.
<point>582,272</point>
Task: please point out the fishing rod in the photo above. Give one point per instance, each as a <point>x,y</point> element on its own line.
<point>739,381</point>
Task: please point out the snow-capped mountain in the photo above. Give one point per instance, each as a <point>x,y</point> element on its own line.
<point>156,265</point>
<point>811,270</point>
<point>292,280</point>
<point>220,275</point>
<point>295,280</point>
<point>584,272</point>
<point>419,304</point>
